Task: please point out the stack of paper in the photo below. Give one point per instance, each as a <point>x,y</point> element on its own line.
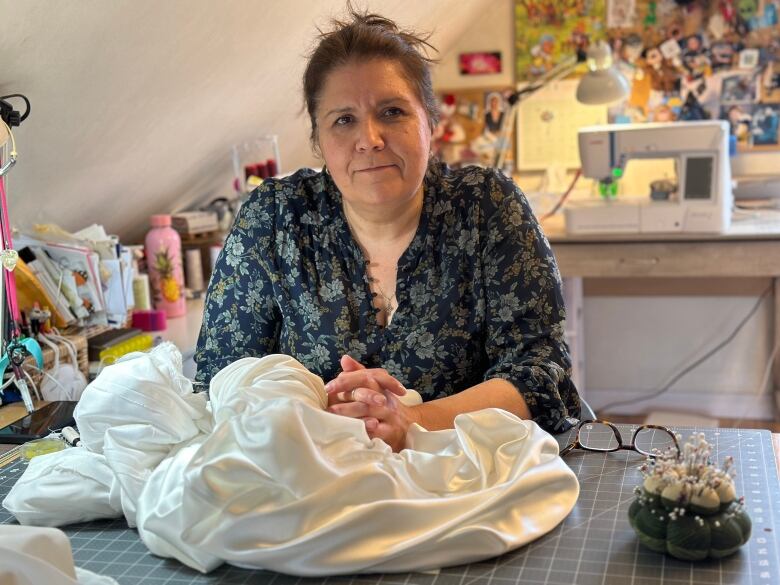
<point>88,274</point>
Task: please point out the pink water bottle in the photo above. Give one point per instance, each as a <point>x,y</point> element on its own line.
<point>163,259</point>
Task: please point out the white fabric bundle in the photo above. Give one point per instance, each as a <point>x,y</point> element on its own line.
<point>37,556</point>
<point>269,479</point>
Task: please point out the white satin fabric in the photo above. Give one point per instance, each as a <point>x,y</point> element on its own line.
<point>38,556</point>
<point>266,478</point>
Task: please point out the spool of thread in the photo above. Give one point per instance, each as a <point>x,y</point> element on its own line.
<point>214,254</point>
<point>150,320</point>
<point>271,165</point>
<point>141,292</point>
<point>72,436</point>
<point>193,269</point>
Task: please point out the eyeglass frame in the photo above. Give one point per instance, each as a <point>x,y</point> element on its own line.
<point>576,444</point>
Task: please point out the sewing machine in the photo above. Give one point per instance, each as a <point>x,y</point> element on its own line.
<point>700,199</point>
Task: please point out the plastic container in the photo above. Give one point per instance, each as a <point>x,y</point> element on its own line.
<point>253,161</point>
<point>163,260</point>
<point>140,342</point>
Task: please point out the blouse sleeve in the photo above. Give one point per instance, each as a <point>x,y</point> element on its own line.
<point>525,312</point>
<point>241,317</point>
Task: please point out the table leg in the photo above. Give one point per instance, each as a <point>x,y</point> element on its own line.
<point>776,345</point>
<point>574,300</point>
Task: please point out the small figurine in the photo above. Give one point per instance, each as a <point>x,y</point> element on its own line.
<point>687,506</point>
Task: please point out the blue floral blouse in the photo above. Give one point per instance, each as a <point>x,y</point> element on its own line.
<point>478,291</point>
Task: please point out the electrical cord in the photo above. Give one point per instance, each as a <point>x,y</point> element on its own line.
<point>761,386</point>
<point>563,198</point>
<point>605,409</point>
<point>12,156</point>
<point>9,111</point>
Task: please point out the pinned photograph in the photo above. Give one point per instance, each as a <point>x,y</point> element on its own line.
<point>621,13</point>
<point>483,63</point>
<point>740,119</point>
<point>738,89</point>
<point>770,84</point>
<point>748,59</point>
<point>764,125</point>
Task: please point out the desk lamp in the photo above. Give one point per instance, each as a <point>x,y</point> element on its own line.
<point>602,84</point>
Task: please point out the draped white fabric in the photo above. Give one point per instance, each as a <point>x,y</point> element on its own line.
<point>264,477</point>
<point>38,556</point>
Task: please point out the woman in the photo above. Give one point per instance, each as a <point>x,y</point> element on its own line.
<point>389,270</point>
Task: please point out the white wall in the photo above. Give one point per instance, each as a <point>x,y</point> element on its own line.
<point>491,30</point>
<point>636,344</point>
<point>136,103</point>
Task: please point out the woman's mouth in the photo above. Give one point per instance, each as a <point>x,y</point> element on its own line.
<point>376,169</point>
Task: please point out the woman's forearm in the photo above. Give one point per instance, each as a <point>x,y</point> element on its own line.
<point>496,393</point>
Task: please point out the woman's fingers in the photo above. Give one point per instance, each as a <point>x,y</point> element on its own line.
<point>350,364</point>
<point>360,410</point>
<point>366,395</point>
<point>373,378</point>
<point>371,423</point>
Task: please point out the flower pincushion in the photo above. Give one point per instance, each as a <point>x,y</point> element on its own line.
<point>687,506</point>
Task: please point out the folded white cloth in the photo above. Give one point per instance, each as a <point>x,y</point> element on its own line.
<point>269,479</point>
<point>36,556</point>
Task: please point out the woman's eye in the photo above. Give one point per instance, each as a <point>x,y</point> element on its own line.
<point>393,112</point>
<point>343,120</point>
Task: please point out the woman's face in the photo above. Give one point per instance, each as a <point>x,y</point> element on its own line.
<point>373,133</point>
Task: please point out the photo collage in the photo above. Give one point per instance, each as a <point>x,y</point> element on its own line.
<point>688,60</point>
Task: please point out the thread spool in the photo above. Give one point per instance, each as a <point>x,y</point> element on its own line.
<point>72,436</point>
<point>193,269</point>
<point>150,320</point>
<point>141,292</point>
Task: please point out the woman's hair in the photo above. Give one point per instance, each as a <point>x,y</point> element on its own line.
<point>362,37</point>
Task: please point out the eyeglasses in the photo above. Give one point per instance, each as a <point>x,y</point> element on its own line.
<point>603,437</point>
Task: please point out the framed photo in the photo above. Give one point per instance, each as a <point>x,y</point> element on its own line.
<point>483,63</point>
<point>765,124</point>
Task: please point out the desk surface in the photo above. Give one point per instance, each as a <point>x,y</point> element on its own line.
<point>594,545</point>
<point>763,225</point>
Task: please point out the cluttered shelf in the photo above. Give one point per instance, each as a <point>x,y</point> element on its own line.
<point>79,301</point>
<point>182,332</point>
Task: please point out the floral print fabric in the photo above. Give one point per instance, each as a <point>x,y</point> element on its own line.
<point>478,292</point>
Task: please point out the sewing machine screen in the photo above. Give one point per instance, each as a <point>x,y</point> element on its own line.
<point>698,177</point>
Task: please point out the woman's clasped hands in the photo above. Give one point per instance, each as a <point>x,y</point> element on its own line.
<point>371,395</point>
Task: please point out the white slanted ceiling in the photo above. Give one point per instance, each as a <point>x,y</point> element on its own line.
<point>136,103</point>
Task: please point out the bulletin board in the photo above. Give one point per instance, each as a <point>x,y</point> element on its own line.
<point>689,60</point>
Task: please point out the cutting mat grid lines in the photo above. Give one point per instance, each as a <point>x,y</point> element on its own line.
<point>594,545</point>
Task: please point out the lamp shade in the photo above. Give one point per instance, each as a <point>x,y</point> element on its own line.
<point>603,83</point>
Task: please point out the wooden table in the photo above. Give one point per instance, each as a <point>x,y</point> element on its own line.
<point>750,249</point>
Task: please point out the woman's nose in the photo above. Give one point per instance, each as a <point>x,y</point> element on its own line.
<point>369,136</point>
